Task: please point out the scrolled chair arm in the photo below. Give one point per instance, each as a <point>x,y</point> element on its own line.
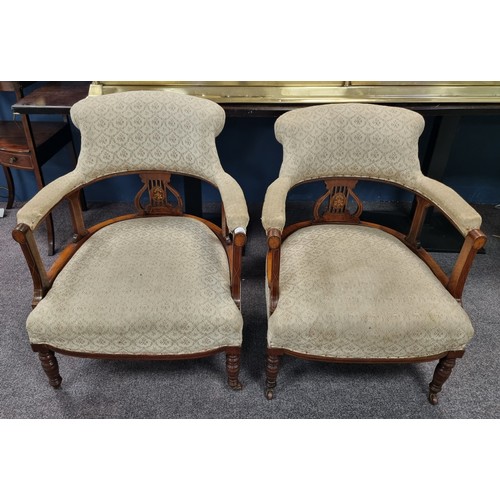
<point>466,220</point>
<point>235,261</point>
<point>233,199</point>
<point>273,267</point>
<point>236,220</point>
<point>274,209</point>
<point>239,236</point>
<point>28,219</point>
<point>273,238</point>
<point>474,241</point>
<point>36,209</point>
<point>273,220</point>
<point>453,206</point>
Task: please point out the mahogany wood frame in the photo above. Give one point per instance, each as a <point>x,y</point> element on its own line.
<point>44,278</point>
<point>339,214</point>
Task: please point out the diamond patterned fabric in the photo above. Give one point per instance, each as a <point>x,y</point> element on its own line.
<point>144,130</point>
<point>148,130</point>
<point>357,140</point>
<point>142,286</point>
<point>350,139</point>
<point>358,292</point>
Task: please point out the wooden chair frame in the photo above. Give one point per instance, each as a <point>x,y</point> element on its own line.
<point>157,185</point>
<point>339,191</point>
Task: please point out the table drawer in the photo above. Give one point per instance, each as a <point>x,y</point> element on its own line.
<point>15,160</point>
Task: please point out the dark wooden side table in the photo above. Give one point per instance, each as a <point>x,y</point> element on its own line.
<point>27,144</point>
<point>53,98</point>
<point>39,141</point>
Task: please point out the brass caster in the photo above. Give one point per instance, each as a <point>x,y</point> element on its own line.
<point>236,386</point>
<point>433,398</point>
<point>269,394</point>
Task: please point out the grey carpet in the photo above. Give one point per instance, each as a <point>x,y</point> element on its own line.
<point>198,389</point>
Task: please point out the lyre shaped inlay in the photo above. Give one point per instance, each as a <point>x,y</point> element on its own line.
<point>337,196</point>
<point>158,187</point>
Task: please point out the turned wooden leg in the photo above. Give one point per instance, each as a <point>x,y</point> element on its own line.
<point>50,367</point>
<point>441,374</point>
<point>233,370</point>
<point>271,374</point>
<point>10,186</point>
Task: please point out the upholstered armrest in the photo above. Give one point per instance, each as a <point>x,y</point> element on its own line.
<point>235,206</point>
<point>274,209</point>
<point>47,198</point>
<point>463,216</point>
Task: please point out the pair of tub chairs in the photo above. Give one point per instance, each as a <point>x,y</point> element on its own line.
<point>160,284</point>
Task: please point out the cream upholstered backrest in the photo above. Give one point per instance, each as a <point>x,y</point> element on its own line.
<point>359,140</point>
<point>148,130</point>
<point>144,130</point>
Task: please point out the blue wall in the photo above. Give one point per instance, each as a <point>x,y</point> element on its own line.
<point>474,165</point>
<point>251,154</point>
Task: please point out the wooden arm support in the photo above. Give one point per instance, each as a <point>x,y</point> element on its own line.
<point>43,278</point>
<point>41,282</point>
<point>75,206</point>
<point>223,225</point>
<point>273,266</point>
<point>413,237</point>
<point>474,241</point>
<point>239,240</point>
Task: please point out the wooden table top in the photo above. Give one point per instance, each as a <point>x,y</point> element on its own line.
<point>52,98</point>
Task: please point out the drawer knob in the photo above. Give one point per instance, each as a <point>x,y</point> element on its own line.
<point>12,159</point>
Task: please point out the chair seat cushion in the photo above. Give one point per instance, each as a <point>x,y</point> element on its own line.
<point>150,286</point>
<point>358,292</point>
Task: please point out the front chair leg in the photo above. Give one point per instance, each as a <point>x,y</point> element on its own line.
<point>233,369</point>
<point>271,374</point>
<point>441,374</point>
<point>50,367</point>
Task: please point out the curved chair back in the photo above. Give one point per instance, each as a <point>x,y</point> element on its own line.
<point>148,130</point>
<point>350,140</point>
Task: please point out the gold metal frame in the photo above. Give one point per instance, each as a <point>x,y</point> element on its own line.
<point>274,92</point>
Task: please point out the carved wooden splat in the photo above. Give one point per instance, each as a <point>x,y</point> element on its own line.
<point>333,205</point>
<point>158,187</point>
